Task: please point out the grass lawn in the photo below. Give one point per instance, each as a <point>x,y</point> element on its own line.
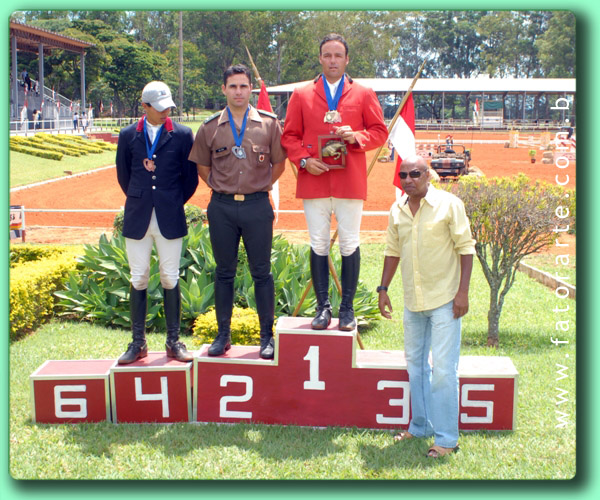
<point>549,264</point>
<point>540,447</point>
<point>27,169</point>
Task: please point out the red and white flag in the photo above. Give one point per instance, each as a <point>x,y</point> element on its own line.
<point>402,136</point>
<point>263,99</point>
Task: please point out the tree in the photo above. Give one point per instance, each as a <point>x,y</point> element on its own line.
<point>133,66</point>
<point>510,219</point>
<point>195,90</point>
<point>557,46</point>
<point>508,43</point>
<point>453,36</point>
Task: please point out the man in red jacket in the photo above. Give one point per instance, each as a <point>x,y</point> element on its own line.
<point>333,105</point>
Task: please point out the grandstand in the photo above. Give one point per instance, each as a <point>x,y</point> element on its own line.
<point>56,110</point>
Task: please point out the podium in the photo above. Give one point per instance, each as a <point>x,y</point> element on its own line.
<point>152,389</point>
<point>317,378</point>
<point>71,391</point>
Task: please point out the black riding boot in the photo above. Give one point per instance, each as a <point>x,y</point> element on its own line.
<point>319,269</point>
<point>350,272</point>
<point>138,348</point>
<point>175,348</point>
<point>265,307</point>
<point>223,310</point>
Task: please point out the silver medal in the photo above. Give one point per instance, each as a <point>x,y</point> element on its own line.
<point>238,152</point>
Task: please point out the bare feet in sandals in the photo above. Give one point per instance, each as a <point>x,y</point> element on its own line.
<point>439,451</point>
<point>403,436</point>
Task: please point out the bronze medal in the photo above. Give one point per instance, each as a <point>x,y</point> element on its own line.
<point>149,165</point>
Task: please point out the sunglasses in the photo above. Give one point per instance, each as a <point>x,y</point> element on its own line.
<point>414,174</point>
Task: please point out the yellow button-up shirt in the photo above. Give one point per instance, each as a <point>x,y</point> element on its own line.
<point>429,245</point>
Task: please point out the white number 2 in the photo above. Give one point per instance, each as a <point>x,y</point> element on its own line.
<point>313,383</point>
<point>244,379</point>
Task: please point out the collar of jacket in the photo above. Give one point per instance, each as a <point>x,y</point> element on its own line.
<point>321,74</point>
<point>168,125</point>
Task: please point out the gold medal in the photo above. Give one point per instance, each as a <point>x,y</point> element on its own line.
<point>149,165</point>
<point>332,116</point>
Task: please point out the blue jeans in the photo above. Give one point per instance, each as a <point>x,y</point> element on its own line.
<point>433,392</point>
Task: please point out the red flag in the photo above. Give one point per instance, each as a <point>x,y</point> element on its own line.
<point>263,99</point>
<point>477,105</point>
<point>402,135</point>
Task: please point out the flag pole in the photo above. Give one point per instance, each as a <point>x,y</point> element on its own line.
<point>257,76</point>
<point>393,122</point>
<point>254,68</point>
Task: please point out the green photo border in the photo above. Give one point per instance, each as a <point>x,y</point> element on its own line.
<point>585,485</point>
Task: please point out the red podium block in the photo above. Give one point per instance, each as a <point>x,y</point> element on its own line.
<point>488,393</point>
<point>319,378</point>
<point>71,392</point>
<point>152,389</point>
<point>316,379</point>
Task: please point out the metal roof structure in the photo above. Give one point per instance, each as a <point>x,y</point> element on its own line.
<point>480,88</point>
<point>29,39</point>
<point>25,38</point>
<point>479,85</point>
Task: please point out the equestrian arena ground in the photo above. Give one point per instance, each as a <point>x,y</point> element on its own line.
<point>100,190</point>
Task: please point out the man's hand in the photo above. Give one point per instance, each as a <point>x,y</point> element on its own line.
<point>385,305</point>
<point>460,306</point>
<point>315,166</point>
<point>346,133</point>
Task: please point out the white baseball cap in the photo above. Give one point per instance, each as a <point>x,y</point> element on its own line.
<point>158,95</point>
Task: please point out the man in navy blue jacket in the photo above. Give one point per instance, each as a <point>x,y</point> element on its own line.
<point>154,172</point>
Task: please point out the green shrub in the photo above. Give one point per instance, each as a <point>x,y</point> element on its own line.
<point>245,327</point>
<point>193,215</point>
<point>33,151</point>
<point>26,252</point>
<point>99,290</point>
<point>53,147</point>
<point>32,285</point>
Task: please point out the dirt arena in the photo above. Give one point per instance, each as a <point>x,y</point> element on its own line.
<point>99,190</point>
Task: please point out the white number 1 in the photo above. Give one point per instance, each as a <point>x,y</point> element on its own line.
<point>312,356</point>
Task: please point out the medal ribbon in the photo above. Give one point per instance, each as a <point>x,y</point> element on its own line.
<point>237,138</point>
<point>150,149</point>
<point>332,102</point>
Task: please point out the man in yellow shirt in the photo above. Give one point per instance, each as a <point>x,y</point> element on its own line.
<point>429,236</point>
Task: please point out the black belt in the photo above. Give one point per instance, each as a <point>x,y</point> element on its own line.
<point>241,197</point>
